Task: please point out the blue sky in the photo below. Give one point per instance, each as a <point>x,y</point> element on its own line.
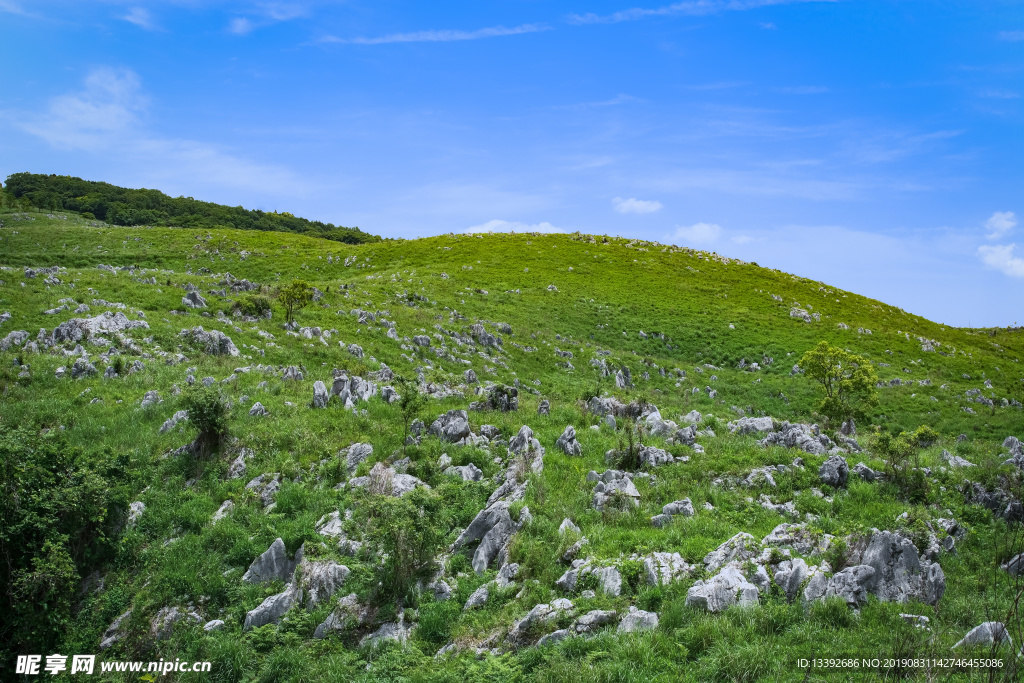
<point>876,146</point>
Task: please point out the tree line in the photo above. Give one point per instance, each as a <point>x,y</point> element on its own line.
<point>125,206</point>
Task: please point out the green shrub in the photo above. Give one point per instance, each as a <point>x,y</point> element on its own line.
<point>208,413</point>
<point>255,305</point>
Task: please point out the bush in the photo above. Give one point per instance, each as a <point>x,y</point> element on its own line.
<point>54,504</point>
<point>405,533</point>
<point>255,305</point>
<point>209,414</point>
<point>924,436</point>
<point>903,463</point>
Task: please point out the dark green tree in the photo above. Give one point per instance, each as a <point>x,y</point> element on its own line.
<point>294,297</point>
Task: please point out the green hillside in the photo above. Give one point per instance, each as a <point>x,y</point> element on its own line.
<point>88,431</point>
<point>124,206</point>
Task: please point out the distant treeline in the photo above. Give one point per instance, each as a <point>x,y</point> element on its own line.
<point>124,206</point>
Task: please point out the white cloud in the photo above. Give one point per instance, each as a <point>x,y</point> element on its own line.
<point>1012,36</point>
<point>141,17</point>
<point>1000,223</point>
<point>632,205</point>
<point>1001,258</point>
<point>106,119</point>
<point>768,26</point>
<point>742,239</point>
<point>442,36</point>
<point>690,7</point>
<point>240,26</point>
<point>513,226</point>
<point>699,234</point>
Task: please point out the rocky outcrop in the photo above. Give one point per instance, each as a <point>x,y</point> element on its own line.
<point>727,588</point>
<point>834,471</point>
<point>567,442</point>
<point>272,565</point>
<point>213,342</point>
<point>802,436</point>
<point>452,427</point>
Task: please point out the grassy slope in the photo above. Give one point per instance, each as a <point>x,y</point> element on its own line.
<point>690,297</point>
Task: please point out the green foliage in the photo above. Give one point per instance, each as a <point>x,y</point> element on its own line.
<point>410,402</point>
<point>123,206</point>
<point>924,436</point>
<point>208,413</point>
<point>255,305</point>
<point>294,297</point>
<point>404,532</point>
<point>903,464</point>
<point>847,379</point>
<point>54,507</point>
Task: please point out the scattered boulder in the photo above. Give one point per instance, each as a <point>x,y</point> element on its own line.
<point>727,588</point>
<point>193,300</point>
<point>320,395</point>
<point>544,408</point>
<point>834,471</point>
<point>567,442</point>
<point>988,633</point>
<point>273,608</point>
<point>214,342</point>
<point>258,410</point>
<point>355,454</point>
<point>795,436</point>
<point>453,426</point>
<point>739,548</point>
<point>162,624</point>
<point>272,565</point>
<point>638,620</point>
<point>661,569</point>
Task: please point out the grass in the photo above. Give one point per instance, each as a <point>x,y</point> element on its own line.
<point>613,291</point>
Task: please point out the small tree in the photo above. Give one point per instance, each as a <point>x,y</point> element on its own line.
<point>847,379</point>
<point>409,402</point>
<point>405,533</point>
<point>208,413</point>
<point>294,297</point>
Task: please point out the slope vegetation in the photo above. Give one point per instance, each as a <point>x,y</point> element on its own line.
<point>639,487</point>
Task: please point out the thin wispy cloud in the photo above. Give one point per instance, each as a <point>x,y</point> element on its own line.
<point>266,14</point>
<point>803,90</point>
<point>698,235</point>
<point>141,17</point>
<point>441,36</point>
<point>11,7</point>
<point>497,225</point>
<point>691,7</point>
<point>618,99</point>
<point>998,94</point>
<point>1012,36</point>
<point>1001,258</point>
<point>107,119</point>
<point>1000,223</point>
<point>637,206</point>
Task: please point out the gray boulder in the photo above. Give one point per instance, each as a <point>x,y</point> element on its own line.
<point>727,588</point>
<point>567,442</point>
<point>396,632</point>
<point>272,565</point>
<point>834,471</point>
<point>273,608</point>
<point>661,569</point>
<point>320,395</point>
<point>493,527</point>
<point>452,426</point>
<point>739,548</point>
<point>214,342</point>
<point>638,620</point>
<point>193,300</point>
<point>544,408</point>
<point>321,580</point>
<point>162,624</point>
<point>866,473</point>
<point>988,633</point>
<point>355,454</point>
<point>750,425</point>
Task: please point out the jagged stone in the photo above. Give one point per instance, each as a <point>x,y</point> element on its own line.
<point>727,588</point>
<point>567,442</point>
<point>834,471</point>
